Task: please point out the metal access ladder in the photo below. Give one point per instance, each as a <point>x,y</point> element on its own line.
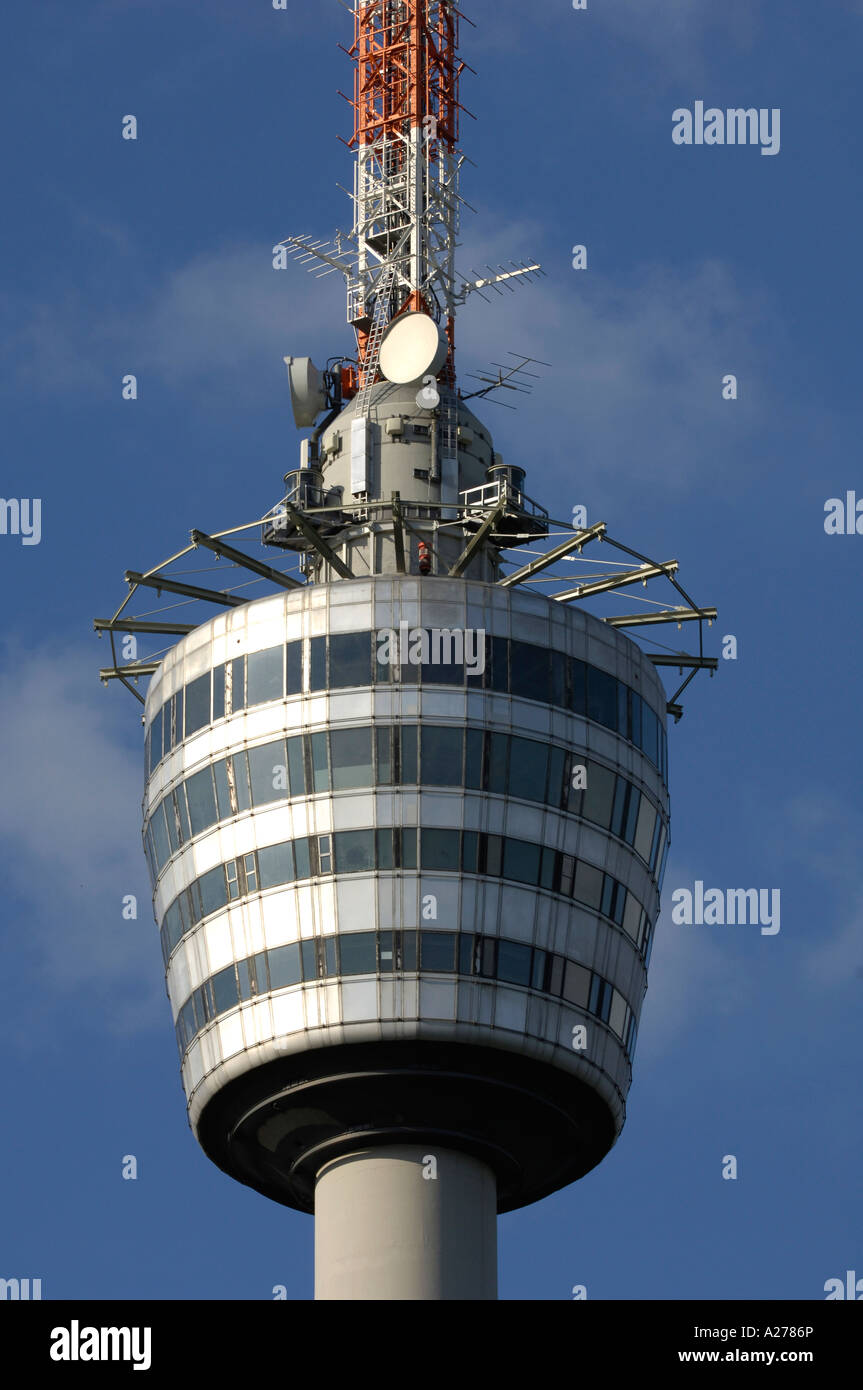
<point>380,321</point>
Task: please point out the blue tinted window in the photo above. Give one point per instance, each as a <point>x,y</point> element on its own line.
<point>268,773</point>
<point>481,651</point>
<point>238,683</point>
<point>358,953</point>
<point>473,759</point>
<point>620,789</point>
<point>408,844</point>
<point>530,671</point>
<point>557,785</point>
<point>635,704</point>
<point>214,893</point>
<point>285,966</point>
<point>387,951</point>
<point>513,962</point>
<point>264,676</point>
<point>470,852</point>
<point>309,960</point>
<point>350,659</point>
<point>440,849</point>
<point>160,837</point>
<point>444,647</point>
<point>355,851</point>
<point>385,767</point>
<point>528,762</point>
<point>171,818</point>
<point>498,763</point>
<point>602,697</point>
<point>538,970</point>
<point>409,753</point>
<point>241,781</point>
<point>557,692</point>
<point>183,813</point>
<point>225,991</point>
<point>465,953</point>
<point>320,762</point>
<point>650,734</point>
<point>318,663</point>
<point>219,692</point>
<point>294,653</point>
<point>497,669</point>
<point>437,950</point>
<point>177,730</point>
<point>384,847</point>
<point>302,858</point>
<point>296,766</point>
<point>441,756</point>
<point>197,704</point>
<point>156,739</point>
<point>352,758</point>
<point>202,801</point>
<point>577,686</point>
<point>223,795</point>
<point>548,870</point>
<point>521,861</point>
<point>632,816</point>
<point>275,865</point>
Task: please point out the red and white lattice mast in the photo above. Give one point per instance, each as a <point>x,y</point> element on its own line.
<point>400,254</point>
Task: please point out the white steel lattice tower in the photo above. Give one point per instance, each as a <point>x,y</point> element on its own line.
<point>406,818</point>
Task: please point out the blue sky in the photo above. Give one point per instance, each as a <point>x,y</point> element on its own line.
<point>153,257</point>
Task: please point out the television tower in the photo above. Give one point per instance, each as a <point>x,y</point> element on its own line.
<point>406,813</point>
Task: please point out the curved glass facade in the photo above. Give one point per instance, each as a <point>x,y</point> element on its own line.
<point>433,857</point>
<point>427,849</point>
<point>347,660</point>
<point>389,756</point>
<point>381,953</point>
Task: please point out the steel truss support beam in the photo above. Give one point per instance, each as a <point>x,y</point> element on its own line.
<point>325,551</point>
<point>136,625</point>
<point>618,581</point>
<point>398,532</point>
<point>228,552</point>
<point>699,663</point>
<point>171,586</point>
<point>575,542</point>
<point>665,615</point>
<point>476,541</point>
<point>120,673</point>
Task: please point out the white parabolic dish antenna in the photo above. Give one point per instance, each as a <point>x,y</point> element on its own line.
<point>412,347</point>
<point>308,392</point>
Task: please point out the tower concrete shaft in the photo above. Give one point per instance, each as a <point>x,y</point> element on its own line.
<point>405,1223</point>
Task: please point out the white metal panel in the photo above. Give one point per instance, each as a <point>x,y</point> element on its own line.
<point>359,456</point>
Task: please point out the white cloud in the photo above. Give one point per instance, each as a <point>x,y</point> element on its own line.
<point>634,392</point>
<point>693,975</point>
<point>70,823</point>
<point>676,33</point>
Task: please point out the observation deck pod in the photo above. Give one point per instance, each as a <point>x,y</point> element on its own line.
<point>520,518</point>
<point>307,504</point>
